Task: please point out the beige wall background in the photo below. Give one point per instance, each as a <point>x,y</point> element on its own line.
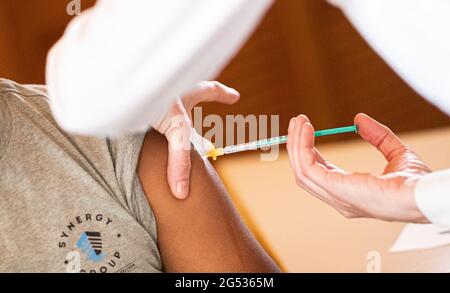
<point>304,58</point>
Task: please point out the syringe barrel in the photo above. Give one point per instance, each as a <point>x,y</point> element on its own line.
<point>241,148</point>
<point>282,139</point>
<point>251,146</point>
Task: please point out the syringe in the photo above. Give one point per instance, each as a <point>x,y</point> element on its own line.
<point>250,146</point>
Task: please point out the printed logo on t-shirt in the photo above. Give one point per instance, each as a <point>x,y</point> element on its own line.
<point>91,244</point>
<point>90,240</point>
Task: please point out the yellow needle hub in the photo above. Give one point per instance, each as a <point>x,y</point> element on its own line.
<point>214,153</point>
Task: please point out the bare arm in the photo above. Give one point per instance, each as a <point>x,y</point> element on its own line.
<point>203,233</point>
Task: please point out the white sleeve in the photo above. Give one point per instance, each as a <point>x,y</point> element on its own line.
<point>412,37</point>
<point>121,64</point>
<point>433,197</point>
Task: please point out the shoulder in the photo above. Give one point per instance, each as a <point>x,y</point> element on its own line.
<point>9,86</point>
<point>20,101</point>
<point>24,98</point>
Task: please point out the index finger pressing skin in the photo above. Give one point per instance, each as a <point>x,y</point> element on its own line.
<point>179,162</point>
<point>178,172</point>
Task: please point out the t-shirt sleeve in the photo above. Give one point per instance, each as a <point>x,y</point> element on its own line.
<point>125,153</point>
<point>5,124</point>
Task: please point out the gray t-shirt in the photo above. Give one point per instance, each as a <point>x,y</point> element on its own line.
<point>68,203</point>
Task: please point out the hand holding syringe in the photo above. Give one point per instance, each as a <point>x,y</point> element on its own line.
<point>217,152</point>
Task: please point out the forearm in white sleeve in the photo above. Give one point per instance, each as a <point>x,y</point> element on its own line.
<point>412,37</point>
<point>122,63</point>
<point>433,197</point>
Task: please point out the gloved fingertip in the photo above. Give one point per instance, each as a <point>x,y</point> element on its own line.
<point>182,189</point>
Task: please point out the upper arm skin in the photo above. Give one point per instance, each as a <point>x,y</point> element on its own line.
<point>203,233</point>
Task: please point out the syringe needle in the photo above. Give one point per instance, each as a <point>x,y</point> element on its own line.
<point>273,141</point>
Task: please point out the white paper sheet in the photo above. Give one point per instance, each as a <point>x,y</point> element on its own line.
<point>415,236</point>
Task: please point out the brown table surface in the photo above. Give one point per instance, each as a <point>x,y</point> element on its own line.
<point>305,235</point>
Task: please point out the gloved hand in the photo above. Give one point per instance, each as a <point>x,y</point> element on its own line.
<point>389,196</point>
<point>176,125</point>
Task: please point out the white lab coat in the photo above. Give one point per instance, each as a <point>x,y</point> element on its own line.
<point>413,37</point>
<point>121,64</point>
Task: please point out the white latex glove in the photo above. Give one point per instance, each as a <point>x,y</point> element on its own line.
<point>176,125</point>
